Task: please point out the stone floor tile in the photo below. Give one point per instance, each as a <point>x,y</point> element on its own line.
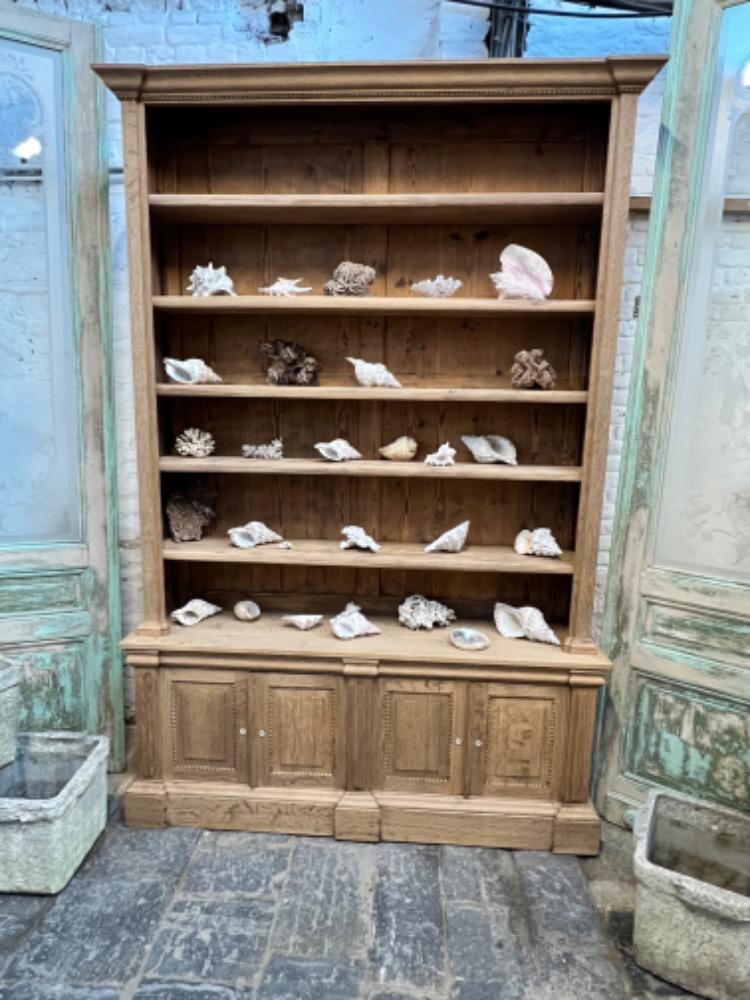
<point>408,930</point>
<point>241,863</point>
<point>130,854</point>
<point>221,941</point>
<point>490,989</point>
<point>569,974</point>
<point>18,915</point>
<point>94,933</point>
<point>460,874</point>
<point>31,990</point>
<point>476,954</point>
<point>557,899</point>
<point>307,979</point>
<point>190,991</point>
<point>324,908</point>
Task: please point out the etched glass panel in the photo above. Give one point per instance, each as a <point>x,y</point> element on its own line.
<point>39,411</point>
<point>704,512</point>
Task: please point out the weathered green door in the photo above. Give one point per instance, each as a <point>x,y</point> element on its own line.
<point>59,599</point>
<point>678,608</point>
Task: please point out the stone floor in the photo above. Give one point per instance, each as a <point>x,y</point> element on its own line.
<point>189,915</point>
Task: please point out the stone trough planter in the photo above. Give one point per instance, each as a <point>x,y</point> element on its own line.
<point>692,911</point>
<point>10,705</point>
<point>53,806</point>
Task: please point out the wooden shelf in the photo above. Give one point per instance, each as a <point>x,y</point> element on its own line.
<point>409,393</point>
<point>407,209</point>
<point>328,305</point>
<point>371,469</point>
<point>392,555</point>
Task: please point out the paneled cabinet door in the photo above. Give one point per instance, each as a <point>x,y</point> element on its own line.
<point>207,725</point>
<point>297,730</point>
<point>516,739</point>
<point>421,736</point>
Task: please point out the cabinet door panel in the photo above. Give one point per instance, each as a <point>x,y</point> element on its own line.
<point>207,725</point>
<point>419,723</point>
<point>517,739</point>
<point>297,738</point>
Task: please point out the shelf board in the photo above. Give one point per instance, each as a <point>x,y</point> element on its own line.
<point>331,305</point>
<point>409,393</point>
<point>392,555</point>
<point>353,209</point>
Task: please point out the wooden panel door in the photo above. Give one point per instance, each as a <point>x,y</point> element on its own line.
<point>297,734</point>
<point>207,725</point>
<point>421,736</point>
<point>516,739</point>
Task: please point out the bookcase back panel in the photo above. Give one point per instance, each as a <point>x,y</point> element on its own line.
<point>421,351</point>
<point>344,150</point>
<point>256,255</point>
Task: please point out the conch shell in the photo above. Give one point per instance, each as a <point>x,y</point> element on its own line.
<point>246,611</point>
<point>337,450</point>
<point>445,455</point>
<point>403,449</point>
<point>191,371</point>
<point>373,374</point>
<point>539,542</point>
<point>351,623</point>
<point>357,538</point>
<point>491,448</point>
<point>303,622</point>
<point>469,638</point>
<point>284,288</point>
<point>195,611</point>
<point>523,623</point>
<point>523,274</point>
<point>438,287</point>
<point>206,281</point>
<point>251,534</point>
<point>450,541</point>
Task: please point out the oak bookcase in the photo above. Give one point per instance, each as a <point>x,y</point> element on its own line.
<point>414,168</point>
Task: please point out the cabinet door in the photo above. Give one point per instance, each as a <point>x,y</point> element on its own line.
<point>516,739</point>
<point>207,724</point>
<point>421,736</point>
<point>297,722</point>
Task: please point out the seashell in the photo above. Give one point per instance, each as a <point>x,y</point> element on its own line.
<point>285,545</point>
<point>274,450</point>
<point>246,611</point>
<point>438,287</point>
<point>351,623</point>
<point>491,448</point>
<point>373,374</point>
<point>417,612</point>
<point>539,542</point>
<point>523,274</point>
<point>526,623</point>
<point>337,450</point>
<point>195,611</point>
<point>251,534</point>
<point>530,370</point>
<point>450,541</point>
<point>285,288</point>
<point>191,371</point>
<point>303,622</point>
<point>357,538</point>
<point>469,638</point>
<point>195,443</point>
<point>205,281</point>
<point>403,449</point>
<point>350,279</point>
<point>445,455</point>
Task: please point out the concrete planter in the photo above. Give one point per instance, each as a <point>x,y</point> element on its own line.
<point>10,707</point>
<point>53,806</point>
<point>692,911</point>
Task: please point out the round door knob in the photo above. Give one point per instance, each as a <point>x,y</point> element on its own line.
<point>261,732</point>
<point>459,741</point>
<point>477,743</point>
<point>243,731</point>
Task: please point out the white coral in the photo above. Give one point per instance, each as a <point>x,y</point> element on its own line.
<point>195,443</point>
<point>418,612</point>
<point>273,451</point>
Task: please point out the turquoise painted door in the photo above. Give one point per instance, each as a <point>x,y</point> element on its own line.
<point>59,604</point>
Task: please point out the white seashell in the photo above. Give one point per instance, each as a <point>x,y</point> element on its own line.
<point>491,448</point>
<point>403,449</point>
<point>527,623</point>
<point>337,450</point>
<point>351,623</point>
<point>303,622</point>
<point>539,542</point>
<point>438,287</point>
<point>373,374</point>
<point>417,612</point>
<point>469,638</point>
<point>205,281</point>
<point>357,538</point>
<point>195,443</point>
<point>195,611</point>
<point>251,534</point>
<point>246,611</point>
<point>192,371</point>
<point>285,545</point>
<point>450,541</point>
<point>523,274</point>
<point>274,450</point>
<point>445,455</point>
<point>285,288</point>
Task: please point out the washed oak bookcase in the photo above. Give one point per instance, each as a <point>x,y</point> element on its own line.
<point>414,168</point>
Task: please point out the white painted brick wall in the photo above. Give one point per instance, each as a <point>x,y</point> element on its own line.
<point>165,31</point>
